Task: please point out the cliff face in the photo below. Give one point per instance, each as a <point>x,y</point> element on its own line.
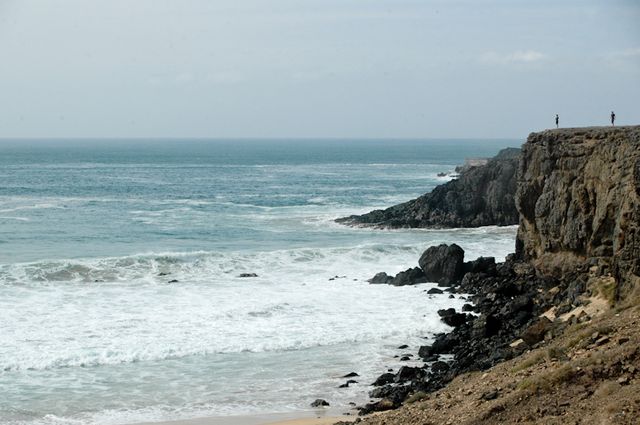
<point>481,196</point>
<point>578,196</point>
<point>577,254</point>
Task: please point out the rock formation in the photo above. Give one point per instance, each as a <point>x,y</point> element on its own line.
<point>578,242</point>
<point>579,201</point>
<point>481,196</point>
<point>443,264</point>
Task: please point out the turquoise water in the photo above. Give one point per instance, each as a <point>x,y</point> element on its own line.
<point>120,299</point>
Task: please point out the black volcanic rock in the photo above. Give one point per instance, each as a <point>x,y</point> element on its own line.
<point>408,373</point>
<point>385,378</point>
<point>443,263</point>
<point>481,265</point>
<point>381,277</point>
<point>424,351</point>
<point>481,196</point>
<point>409,277</point>
<point>439,367</point>
<point>319,403</point>
<point>451,318</point>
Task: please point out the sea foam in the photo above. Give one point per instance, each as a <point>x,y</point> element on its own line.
<point>154,306</point>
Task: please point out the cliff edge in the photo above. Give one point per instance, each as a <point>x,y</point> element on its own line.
<point>578,195</point>
<point>481,196</point>
<point>555,329</point>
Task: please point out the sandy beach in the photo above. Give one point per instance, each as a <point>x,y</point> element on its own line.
<point>294,418</point>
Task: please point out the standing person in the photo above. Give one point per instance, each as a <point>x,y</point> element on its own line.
<point>613,119</point>
<point>557,120</point>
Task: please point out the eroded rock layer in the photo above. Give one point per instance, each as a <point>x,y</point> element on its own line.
<point>481,196</point>
<point>578,196</point>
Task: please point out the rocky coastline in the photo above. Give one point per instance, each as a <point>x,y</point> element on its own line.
<point>482,195</point>
<point>500,321</point>
<point>577,259</point>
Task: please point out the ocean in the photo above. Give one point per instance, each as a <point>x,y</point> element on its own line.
<point>121,299</point>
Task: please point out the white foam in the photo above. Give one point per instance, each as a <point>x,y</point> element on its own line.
<point>69,313</point>
<point>14,218</point>
<point>37,206</point>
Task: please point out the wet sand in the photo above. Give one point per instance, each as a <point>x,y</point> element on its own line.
<point>328,417</point>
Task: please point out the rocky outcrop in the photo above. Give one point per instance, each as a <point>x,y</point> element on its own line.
<point>443,264</point>
<point>508,299</point>
<point>408,277</point>
<point>578,197</point>
<point>589,375</point>
<point>481,196</point>
<point>579,201</point>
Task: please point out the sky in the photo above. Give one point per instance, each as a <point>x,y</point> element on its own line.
<point>315,68</point>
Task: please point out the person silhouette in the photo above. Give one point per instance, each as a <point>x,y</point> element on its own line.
<point>613,119</point>
<point>557,120</point>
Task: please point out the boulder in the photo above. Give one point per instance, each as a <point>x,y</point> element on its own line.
<point>395,393</point>
<point>443,264</point>
<point>346,384</point>
<point>536,332</point>
<point>485,265</point>
<point>486,326</point>
<point>381,277</point>
<point>446,312</point>
<point>385,378</point>
<point>451,318</point>
<point>408,373</point>
<point>409,277</point>
<point>489,395</point>
<point>319,403</point>
<point>444,343</point>
<point>378,406</point>
<point>439,367</point>
<point>425,351</point>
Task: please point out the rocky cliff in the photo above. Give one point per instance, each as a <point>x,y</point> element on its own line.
<point>578,255</point>
<point>481,196</point>
<point>578,196</point>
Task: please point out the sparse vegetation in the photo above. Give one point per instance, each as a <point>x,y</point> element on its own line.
<point>548,381</point>
<point>578,340</point>
<point>607,388</point>
<point>607,288</point>
<point>584,337</point>
<point>556,353</point>
<point>539,356</point>
<point>535,358</point>
<point>415,397</point>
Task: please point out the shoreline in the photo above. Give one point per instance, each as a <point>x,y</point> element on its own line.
<point>304,417</point>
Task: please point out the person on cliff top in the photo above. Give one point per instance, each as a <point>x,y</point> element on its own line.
<point>557,120</point>
<point>613,119</point>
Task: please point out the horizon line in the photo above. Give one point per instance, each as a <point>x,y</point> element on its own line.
<point>246,138</point>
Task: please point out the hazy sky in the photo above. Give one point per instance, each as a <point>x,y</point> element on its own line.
<point>315,68</point>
